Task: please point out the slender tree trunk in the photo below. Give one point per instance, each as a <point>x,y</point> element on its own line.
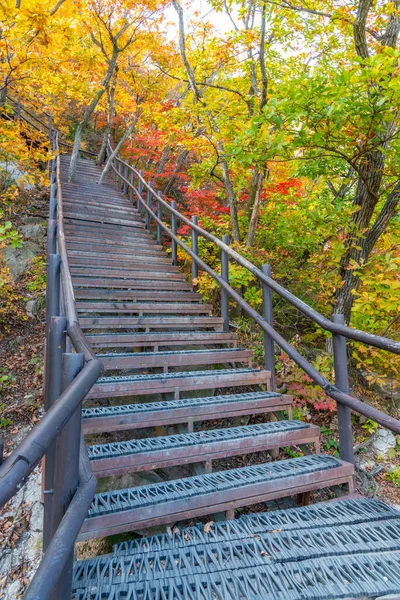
<point>230,193</point>
<point>179,163</point>
<point>88,113</point>
<point>117,148</point>
<point>102,154</point>
<point>164,159</point>
<point>252,191</point>
<point>254,213</point>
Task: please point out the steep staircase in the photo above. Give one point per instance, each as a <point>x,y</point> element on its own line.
<point>178,391</point>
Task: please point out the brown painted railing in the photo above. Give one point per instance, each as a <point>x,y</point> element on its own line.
<point>130,179</point>
<point>69,483</point>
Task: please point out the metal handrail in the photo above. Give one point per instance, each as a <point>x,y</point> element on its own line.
<point>349,332</point>
<point>340,396</point>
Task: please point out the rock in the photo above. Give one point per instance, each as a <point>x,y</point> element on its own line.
<point>19,258</point>
<point>34,232</point>
<point>382,441</point>
<point>31,308</point>
<point>18,176</point>
<point>13,590</point>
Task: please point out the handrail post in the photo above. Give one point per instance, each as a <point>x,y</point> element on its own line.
<point>125,178</point>
<point>342,383</point>
<point>132,182</point>
<point>195,249</point>
<point>148,204</point>
<point>269,352</point>
<point>140,191</point>
<point>66,477</point>
<point>225,277</point>
<point>174,229</point>
<point>19,107</point>
<point>50,127</point>
<point>55,344</point>
<point>159,216</point>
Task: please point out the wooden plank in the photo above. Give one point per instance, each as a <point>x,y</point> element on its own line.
<point>193,381</point>
<point>146,360</point>
<point>135,284</point>
<point>198,506</point>
<point>142,309</point>
<point>190,322</point>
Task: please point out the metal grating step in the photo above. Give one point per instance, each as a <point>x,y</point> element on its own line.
<point>347,577</point>
<point>203,446</point>
<point>322,515</point>
<point>124,510</point>
<point>136,416</point>
<point>262,549</point>
<point>177,358</point>
<point>176,382</point>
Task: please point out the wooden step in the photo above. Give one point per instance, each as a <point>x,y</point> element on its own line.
<point>112,387</point>
<point>136,295</point>
<point>115,266</point>
<point>116,458</point>
<point>113,242</point>
<point>104,256</point>
<point>167,502</point>
<point>125,273</point>
<point>187,410</point>
<point>106,216</point>
<point>139,249</point>
<point>131,283</point>
<point>156,263</point>
<point>87,203</point>
<point>180,358</point>
<point>160,339</point>
<point>147,323</point>
<point>94,220</point>
<point>146,308</point>
<point>106,232</point>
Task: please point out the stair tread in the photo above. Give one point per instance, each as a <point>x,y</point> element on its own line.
<point>197,439</point>
<point>314,516</point>
<point>277,538</point>
<point>183,490</point>
<point>167,405</point>
<point>172,353</point>
<point>178,375</point>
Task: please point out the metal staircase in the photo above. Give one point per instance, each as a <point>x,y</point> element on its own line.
<point>156,378</point>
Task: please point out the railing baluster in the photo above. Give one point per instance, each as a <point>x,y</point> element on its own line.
<point>140,190</point>
<point>269,353</point>
<point>195,249</point>
<point>225,277</point>
<point>66,477</point>
<point>125,177</point>
<point>132,182</point>
<point>342,383</point>
<point>174,229</point>
<point>159,216</point>
<point>149,196</point>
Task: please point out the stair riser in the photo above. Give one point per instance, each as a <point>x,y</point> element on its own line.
<point>172,417</point>
<point>114,390</point>
<point>207,452</point>
<point>151,362</point>
<point>199,506</point>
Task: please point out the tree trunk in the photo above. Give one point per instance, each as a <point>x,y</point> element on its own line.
<point>179,163</point>
<point>117,148</point>
<point>102,154</point>
<point>254,214</point>
<point>87,114</point>
<point>230,194</point>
